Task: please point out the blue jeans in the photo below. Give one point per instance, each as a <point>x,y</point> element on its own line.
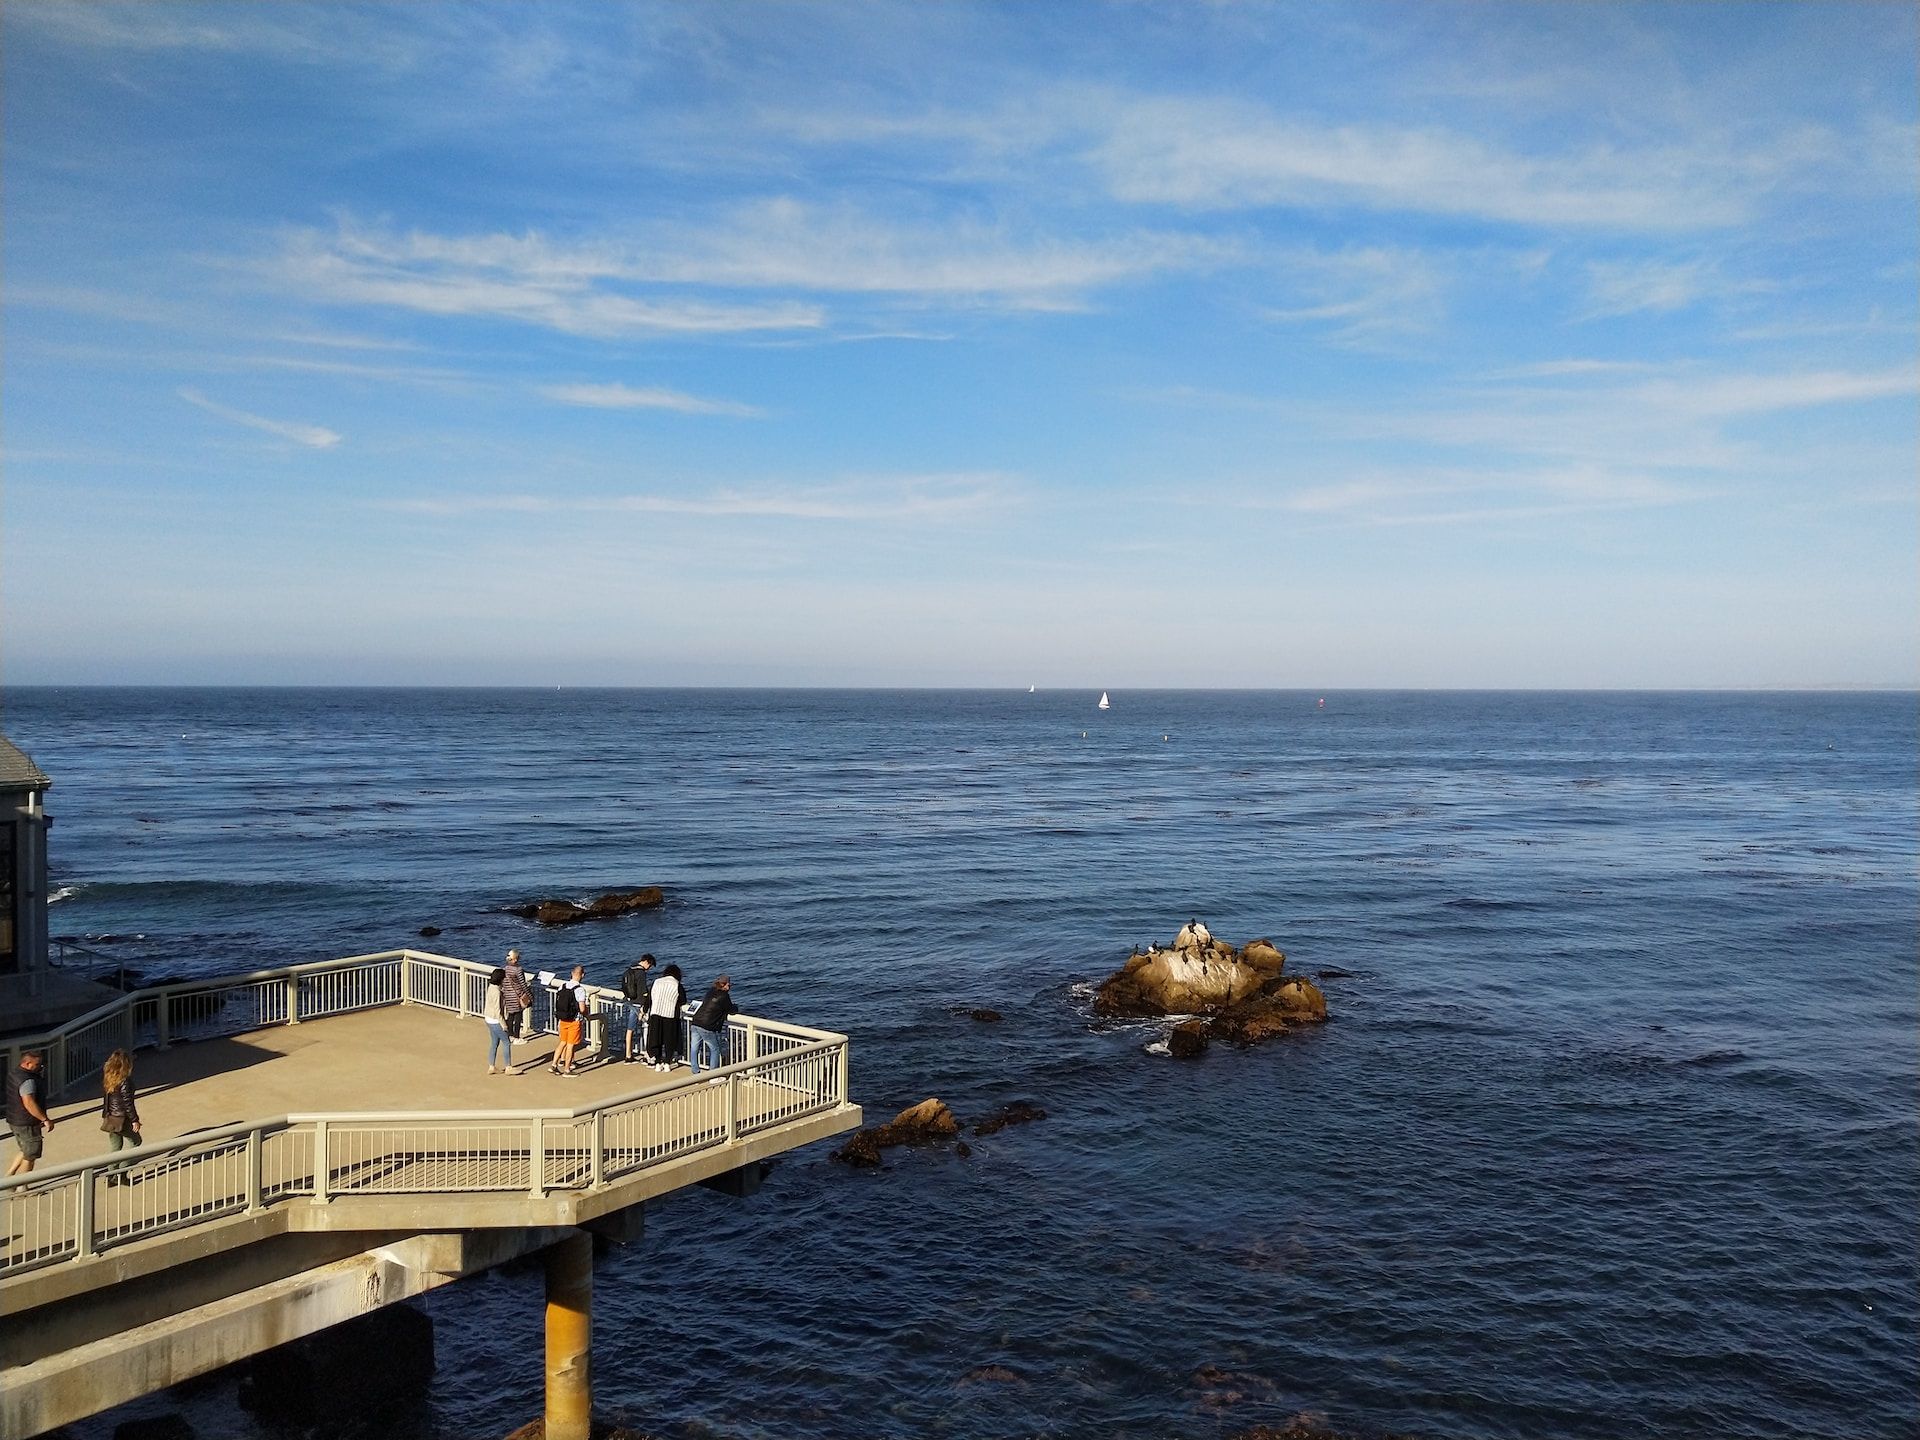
<point>708,1045</point>
<point>497,1044</point>
<point>632,1023</point>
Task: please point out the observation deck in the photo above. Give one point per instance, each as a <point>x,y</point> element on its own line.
<point>324,1140</point>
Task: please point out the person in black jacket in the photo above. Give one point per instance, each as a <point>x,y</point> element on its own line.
<point>635,984</point>
<point>707,1027</point>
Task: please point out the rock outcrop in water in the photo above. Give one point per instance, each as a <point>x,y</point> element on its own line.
<point>1245,994</point>
<point>929,1120</point>
<point>607,907</point>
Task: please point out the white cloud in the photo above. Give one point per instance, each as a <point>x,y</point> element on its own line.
<point>1628,287</point>
<point>314,437</point>
<point>1362,295</point>
<point>1728,395</point>
<point>627,397</point>
<point>606,287</point>
<point>900,498</point>
<point>1441,496</point>
<point>1222,154</point>
<point>1563,369</point>
<point>513,278</point>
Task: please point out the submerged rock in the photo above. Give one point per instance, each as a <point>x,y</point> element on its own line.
<point>917,1124</point>
<point>607,907</point>
<point>1187,1039</point>
<point>1017,1112</point>
<point>1245,994</point>
<point>985,1017</point>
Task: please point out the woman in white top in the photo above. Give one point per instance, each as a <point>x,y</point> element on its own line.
<point>663,1020</point>
<point>498,1045</point>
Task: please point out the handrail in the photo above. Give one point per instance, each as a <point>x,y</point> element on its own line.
<point>180,987</point>
<point>332,1157</point>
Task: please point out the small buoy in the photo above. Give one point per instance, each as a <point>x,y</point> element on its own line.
<point>1323,702</point>
<point>1083,734</point>
<point>1166,737</point>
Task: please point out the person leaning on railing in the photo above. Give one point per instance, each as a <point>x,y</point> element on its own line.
<point>708,1027</point>
<point>634,985</point>
<point>663,1019</point>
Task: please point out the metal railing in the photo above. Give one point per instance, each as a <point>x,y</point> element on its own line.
<point>776,1073</point>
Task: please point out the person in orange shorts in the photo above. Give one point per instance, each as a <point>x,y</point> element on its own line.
<point>569,1018</point>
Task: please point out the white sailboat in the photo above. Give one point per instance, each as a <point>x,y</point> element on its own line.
<point>1029,689</point>
<point>1104,703</point>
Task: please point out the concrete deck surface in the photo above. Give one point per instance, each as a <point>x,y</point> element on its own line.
<point>402,1057</point>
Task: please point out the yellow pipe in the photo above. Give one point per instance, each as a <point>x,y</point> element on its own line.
<point>569,1271</point>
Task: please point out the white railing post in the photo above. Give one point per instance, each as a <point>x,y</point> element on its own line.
<point>163,1023</point>
<point>844,1089</point>
<point>293,1000</point>
<point>733,1109</point>
<point>320,1162</point>
<point>255,1172</point>
<point>599,1177</point>
<point>460,984</point>
<point>83,1221</point>
<point>538,1154</point>
<point>406,978</point>
<point>59,1065</point>
<point>753,1041</point>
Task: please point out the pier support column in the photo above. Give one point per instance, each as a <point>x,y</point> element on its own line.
<point>569,1268</point>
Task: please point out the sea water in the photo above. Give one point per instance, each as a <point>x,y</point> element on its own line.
<point>1613,1131</point>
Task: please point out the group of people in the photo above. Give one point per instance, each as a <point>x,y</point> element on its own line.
<point>30,1121</point>
<point>650,1013</point>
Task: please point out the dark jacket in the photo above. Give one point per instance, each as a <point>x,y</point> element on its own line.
<point>17,1112</point>
<point>714,1009</point>
<point>120,1102</point>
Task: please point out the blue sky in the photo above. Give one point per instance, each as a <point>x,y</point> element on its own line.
<point>1110,345</point>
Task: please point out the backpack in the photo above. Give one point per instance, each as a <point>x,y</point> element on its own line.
<point>566,1003</point>
<point>633,985</point>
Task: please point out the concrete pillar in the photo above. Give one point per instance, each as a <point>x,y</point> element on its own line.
<point>569,1267</point>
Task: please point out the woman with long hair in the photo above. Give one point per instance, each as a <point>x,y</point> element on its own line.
<point>499,1043</point>
<point>119,1115</point>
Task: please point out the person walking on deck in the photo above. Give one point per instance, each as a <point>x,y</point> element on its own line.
<point>708,1027</point>
<point>27,1113</point>
<point>634,984</point>
<point>499,1043</point>
<point>119,1115</point>
<point>663,1020</point>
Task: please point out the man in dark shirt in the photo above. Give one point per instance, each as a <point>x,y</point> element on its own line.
<point>26,1112</point>
<point>707,1027</point>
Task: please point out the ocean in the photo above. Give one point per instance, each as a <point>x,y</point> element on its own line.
<point>1613,1131</point>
